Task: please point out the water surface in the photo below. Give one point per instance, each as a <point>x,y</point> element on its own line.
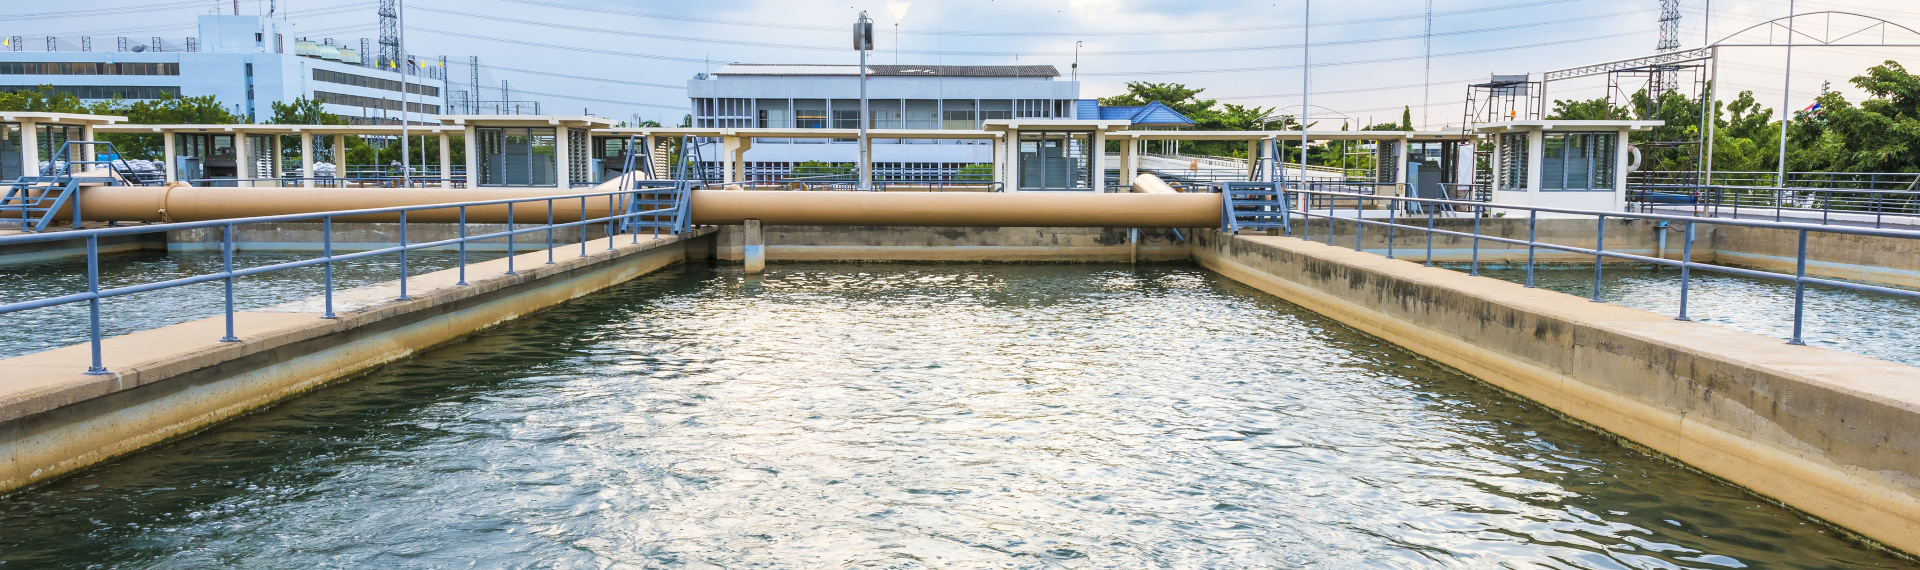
<point>910,416</point>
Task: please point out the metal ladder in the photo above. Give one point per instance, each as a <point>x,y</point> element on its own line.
<point>1260,204</point>
<point>35,200</point>
<point>665,203</point>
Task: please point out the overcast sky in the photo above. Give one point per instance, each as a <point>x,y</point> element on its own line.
<point>621,58</point>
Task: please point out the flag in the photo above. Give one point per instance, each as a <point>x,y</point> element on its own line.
<point>1811,108</point>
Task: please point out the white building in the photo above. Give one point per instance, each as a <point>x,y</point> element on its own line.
<point>245,62</point>
<point>920,97</point>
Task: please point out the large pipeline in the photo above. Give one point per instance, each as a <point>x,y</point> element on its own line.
<point>711,207</point>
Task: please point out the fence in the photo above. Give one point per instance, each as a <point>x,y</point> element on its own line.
<point>622,218</point>
<point>1760,201</point>
<point>1423,209</point>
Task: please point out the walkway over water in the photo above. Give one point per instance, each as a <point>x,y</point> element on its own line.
<point>911,415</point>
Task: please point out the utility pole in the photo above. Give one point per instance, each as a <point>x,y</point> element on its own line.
<point>1426,95</point>
<point>1306,64</point>
<point>1786,99</point>
<point>406,64</point>
<point>863,42</point>
<point>1076,60</point>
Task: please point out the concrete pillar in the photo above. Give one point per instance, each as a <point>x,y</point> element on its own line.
<point>242,158</point>
<point>1099,161</point>
<point>167,156</point>
<point>1536,150</point>
<point>999,160</point>
<point>306,160</point>
<point>446,161</point>
<point>562,175</point>
<point>277,169</point>
<point>88,153</point>
<point>1013,161</point>
<point>1253,159</point>
<point>734,164</point>
<point>340,158</point>
<point>756,248</point>
<point>1400,167</point>
<point>30,147</point>
<point>1130,152</point>
<point>473,158</point>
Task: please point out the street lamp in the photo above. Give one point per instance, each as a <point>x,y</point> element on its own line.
<point>863,42</point>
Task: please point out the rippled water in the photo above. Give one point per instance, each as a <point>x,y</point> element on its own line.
<point>63,325</point>
<point>1880,326</point>
<point>909,416</point>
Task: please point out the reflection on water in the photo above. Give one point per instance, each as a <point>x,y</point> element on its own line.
<point>63,325</point>
<point>911,416</point>
<point>1869,324</point>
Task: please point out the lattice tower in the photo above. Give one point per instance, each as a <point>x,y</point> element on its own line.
<point>1668,79</point>
<point>390,35</point>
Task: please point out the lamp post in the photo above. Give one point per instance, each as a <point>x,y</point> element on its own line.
<point>863,42</point>
<point>406,61</point>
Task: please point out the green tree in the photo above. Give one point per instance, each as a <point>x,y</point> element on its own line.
<point>43,100</point>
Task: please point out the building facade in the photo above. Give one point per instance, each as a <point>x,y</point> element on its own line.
<point>245,62</point>
<point>921,97</point>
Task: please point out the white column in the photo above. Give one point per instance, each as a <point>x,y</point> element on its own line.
<point>168,157</point>
<point>446,160</point>
<point>756,247</point>
<point>340,158</point>
<point>30,147</point>
<point>277,169</point>
<point>87,152</point>
<point>1129,160</point>
<point>999,160</point>
<point>1013,161</point>
<point>562,176</point>
<point>1400,167</point>
<point>306,159</point>
<point>1099,161</point>
<point>242,158</point>
<point>473,157</point>
<point>1620,171</point>
<point>1536,148</point>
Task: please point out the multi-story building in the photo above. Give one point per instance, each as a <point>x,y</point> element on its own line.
<point>924,97</point>
<point>245,62</point>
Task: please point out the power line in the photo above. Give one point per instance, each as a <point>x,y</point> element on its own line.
<point>1357,62</point>
<point>1003,33</point>
<point>518,91</point>
<point>584,78</point>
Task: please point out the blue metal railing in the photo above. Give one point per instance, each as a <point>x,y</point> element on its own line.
<point>1760,201</point>
<point>229,275</point>
<point>1478,211</point>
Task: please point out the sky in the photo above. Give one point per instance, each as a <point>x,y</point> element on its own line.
<point>1368,59</point>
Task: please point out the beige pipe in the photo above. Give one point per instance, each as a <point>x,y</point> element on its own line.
<point>1150,184</point>
<point>1024,209</point>
<point>958,209</point>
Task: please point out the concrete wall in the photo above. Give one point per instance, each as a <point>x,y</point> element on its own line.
<point>885,243</point>
<point>65,249</point>
<point>305,236</point>
<point>1832,434</point>
<point>175,380</point>
<point>1860,258</point>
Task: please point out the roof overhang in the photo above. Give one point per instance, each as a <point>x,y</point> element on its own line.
<point>382,130</point>
<point>576,121</point>
<point>61,118</point>
<point>1003,125</point>
<point>1568,125</point>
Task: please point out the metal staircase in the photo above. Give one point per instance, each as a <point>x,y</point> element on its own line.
<point>1261,204</point>
<point>34,200</point>
<point>663,204</point>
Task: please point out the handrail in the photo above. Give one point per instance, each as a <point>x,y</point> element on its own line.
<point>616,213</point>
<point>1482,210</point>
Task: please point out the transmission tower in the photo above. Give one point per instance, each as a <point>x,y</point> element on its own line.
<point>1667,79</point>
<point>473,84</point>
<point>389,35</point>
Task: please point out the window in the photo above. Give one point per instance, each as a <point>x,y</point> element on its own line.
<point>996,109</point>
<point>330,76</point>
<point>1033,109</point>
<point>922,114</point>
<point>1056,161</point>
<point>959,116</point>
<point>887,118</point>
<point>1513,161</point>
<point>772,114</point>
<point>373,102</point>
<point>104,91</point>
<point>1577,162</point>
<point>810,114</point>
<point>517,157</point>
<point>86,68</point>
<point>846,118</point>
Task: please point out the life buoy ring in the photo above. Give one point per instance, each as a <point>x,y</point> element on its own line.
<point>1633,158</point>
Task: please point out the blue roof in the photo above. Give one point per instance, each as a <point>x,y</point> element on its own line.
<point>1152,113</point>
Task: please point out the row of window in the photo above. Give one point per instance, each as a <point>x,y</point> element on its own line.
<point>925,114</point>
<point>86,68</point>
<point>373,102</point>
<point>1570,162</point>
<point>104,91</point>
<point>331,76</point>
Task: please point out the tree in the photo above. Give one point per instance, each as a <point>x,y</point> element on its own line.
<point>1174,95</point>
<point>43,100</point>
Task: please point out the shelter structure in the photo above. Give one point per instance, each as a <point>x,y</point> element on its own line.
<point>249,155</point>
<point>28,138</point>
<point>1562,164</point>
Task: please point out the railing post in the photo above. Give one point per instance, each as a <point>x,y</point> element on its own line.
<point>226,248</point>
<point>93,305</point>
<point>326,252</point>
<point>1599,244</point>
<point>1533,237</point>
<point>611,219</point>
<point>463,246</point>
<point>1429,208</point>
<point>1474,267</point>
<point>510,239</point>
<point>1359,229</point>
<point>549,231</point>
<point>583,226</point>
<point>1799,289</point>
<point>1393,206</point>
<point>1686,271</point>
<point>403,256</point>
